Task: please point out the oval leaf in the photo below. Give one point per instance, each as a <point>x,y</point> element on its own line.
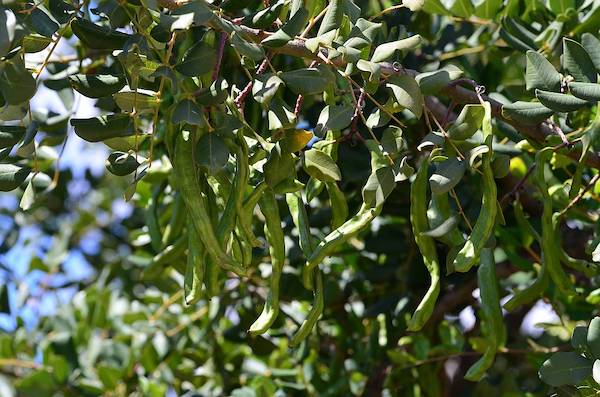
<point>97,129</point>
<point>586,91</point>
<point>10,135</point>
<point>320,165</point>
<point>12,176</point>
<point>559,102</point>
<point>526,112</point>
<point>96,85</point>
<point>540,73</point>
<point>565,368</point>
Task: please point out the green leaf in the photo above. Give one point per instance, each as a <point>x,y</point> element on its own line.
<point>8,23</point>
<point>385,51</point>
<point>559,102</point>
<point>577,62</point>
<point>42,23</point>
<point>10,135</point>
<point>407,93</point>
<point>4,300</point>
<point>586,91</point>
<point>444,228</point>
<point>593,337</point>
<point>28,198</point>
<point>16,83</point>
<point>467,123</point>
<point>212,152</point>
<point>378,187</point>
<point>279,166</point>
<point>12,176</point>
<point>280,115</point>
<point>176,22</point>
<point>336,118</point>
<point>432,82</point>
<point>591,44</point>
<point>488,9</point>
<point>462,8</point>
<point>579,339</point>
<point>596,371</point>
<point>35,43</point>
<point>247,48</point>
<point>97,129</point>
<point>447,175</point>
<point>332,18</point>
<point>392,141</point>
<point>321,166</point>
<point>264,18</point>
<point>565,368</point>
<point>295,140</point>
<point>141,100</point>
<point>308,81</point>
<point>561,6</point>
<point>540,73</point>
<point>529,113</point>
<point>215,94</point>
<point>288,31</point>
<point>121,163</point>
<point>188,112</point>
<point>97,85</point>
<point>265,87</point>
<point>98,37</point>
<point>198,60</point>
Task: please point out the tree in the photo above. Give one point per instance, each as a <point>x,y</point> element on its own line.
<point>312,190</point>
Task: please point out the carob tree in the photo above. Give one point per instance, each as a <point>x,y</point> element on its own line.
<point>266,140</point>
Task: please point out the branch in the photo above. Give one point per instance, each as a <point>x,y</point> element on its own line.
<point>458,94</point>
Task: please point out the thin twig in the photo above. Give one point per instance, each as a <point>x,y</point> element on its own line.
<point>220,50</point>
<point>581,194</point>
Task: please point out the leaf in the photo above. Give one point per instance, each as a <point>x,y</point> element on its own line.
<point>176,22</point>
<point>265,87</point>
<point>97,129</point>
<point>333,118</point>
<point>98,37</point>
<point>540,73</point>
<point>385,51</point>
<point>188,112</point>
<point>432,82</point>
<point>16,83</point>
<point>529,113</point>
<point>28,198</point>
<point>596,371</point>
<point>392,141</point>
<point>10,135</point>
<point>407,93</point>
<point>295,140</point>
<point>280,115</point>
<point>447,175</point>
<point>264,18</point>
<point>308,81</point>
<point>378,187</point>
<point>467,123</point>
<point>561,6</point>
<point>8,23</point>
<point>211,152</point>
<point>591,44</point>
<point>321,166</point>
<point>577,62</point>
<point>97,85</point>
<point>279,166</point>
<point>565,368</point>
<point>4,301</point>
<point>593,337</point>
<point>247,48</point>
<point>586,91</point>
<point>35,43</point>
<point>197,60</point>
<point>288,31</point>
<point>121,163</point>
<point>332,18</point>
<point>488,9</point>
<point>141,100</point>
<point>42,23</point>
<point>559,102</point>
<point>462,8</point>
<point>215,94</point>
<point>12,176</point>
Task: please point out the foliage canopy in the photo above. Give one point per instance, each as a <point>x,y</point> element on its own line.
<point>317,189</point>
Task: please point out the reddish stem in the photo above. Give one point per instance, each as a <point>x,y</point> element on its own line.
<point>221,49</point>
